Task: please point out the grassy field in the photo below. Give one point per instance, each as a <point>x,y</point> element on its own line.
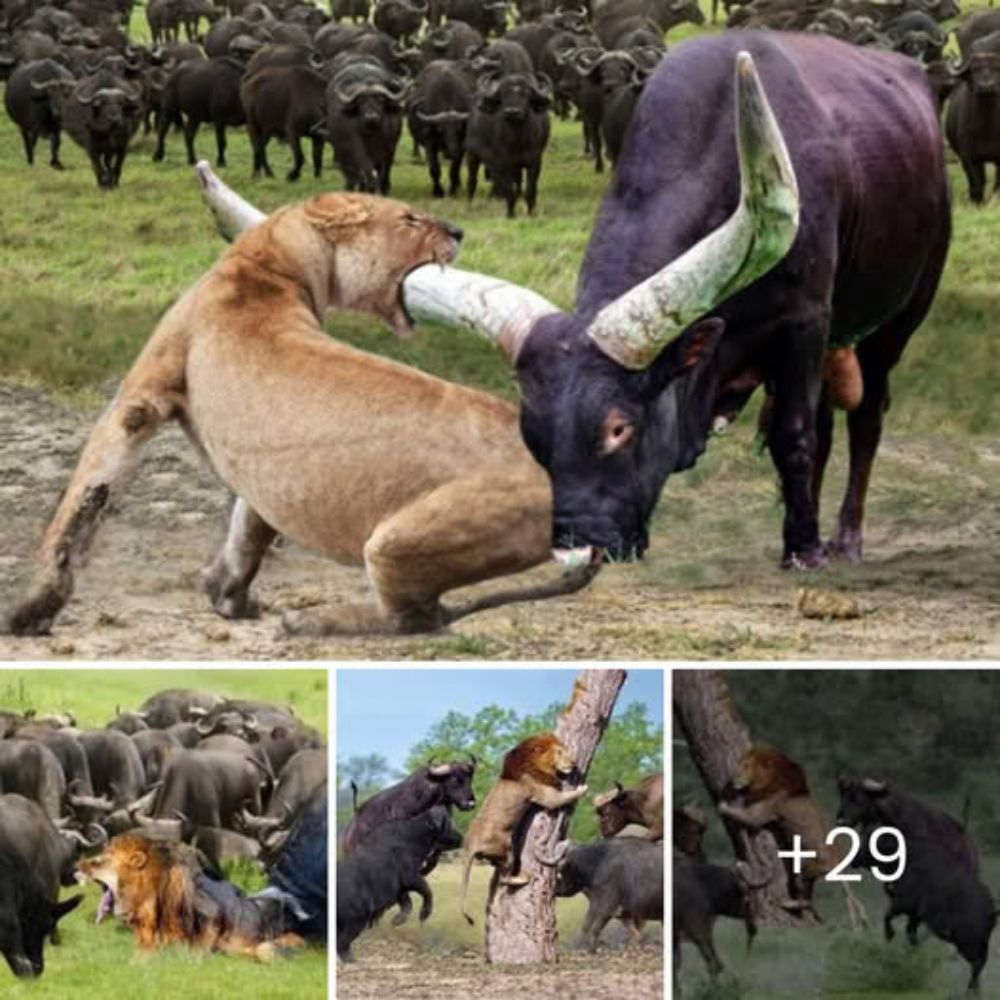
<point>834,963</point>
<point>101,961</point>
<point>85,275</point>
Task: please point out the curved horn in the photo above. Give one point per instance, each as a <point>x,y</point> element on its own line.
<point>440,770</point>
<point>252,822</point>
<point>442,116</point>
<point>194,712</point>
<point>90,802</point>
<point>555,859</point>
<point>251,722</point>
<point>876,787</point>
<point>205,727</point>
<point>100,836</point>
<point>634,328</point>
<point>498,310</point>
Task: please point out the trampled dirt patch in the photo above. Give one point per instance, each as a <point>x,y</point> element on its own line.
<point>383,969</point>
<point>930,587</point>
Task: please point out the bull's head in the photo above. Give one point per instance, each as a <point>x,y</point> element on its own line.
<point>859,800</point>
<point>605,394</point>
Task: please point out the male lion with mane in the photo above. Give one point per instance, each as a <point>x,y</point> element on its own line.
<point>770,790</point>
<point>159,890</point>
<point>532,775</point>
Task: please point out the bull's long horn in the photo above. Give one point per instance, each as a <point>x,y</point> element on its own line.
<point>498,310</point>
<point>600,801</point>
<point>634,328</point>
<point>554,860</point>
<point>252,822</point>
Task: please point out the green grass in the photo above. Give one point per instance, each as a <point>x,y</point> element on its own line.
<point>93,695</point>
<point>93,962</point>
<point>85,273</point>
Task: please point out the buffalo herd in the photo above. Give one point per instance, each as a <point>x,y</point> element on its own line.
<point>234,779</point>
<point>940,885</point>
<point>395,838</point>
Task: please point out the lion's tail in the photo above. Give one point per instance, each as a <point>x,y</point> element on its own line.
<point>465,884</point>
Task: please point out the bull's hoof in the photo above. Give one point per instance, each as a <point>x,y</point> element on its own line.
<point>814,558</point>
<point>846,545</point>
<point>56,165</point>
<point>233,603</point>
<point>36,615</point>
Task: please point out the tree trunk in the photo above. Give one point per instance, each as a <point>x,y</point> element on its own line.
<point>717,739</point>
<point>521,922</point>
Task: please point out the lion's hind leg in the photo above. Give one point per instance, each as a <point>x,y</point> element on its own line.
<point>226,580</point>
<point>472,529</point>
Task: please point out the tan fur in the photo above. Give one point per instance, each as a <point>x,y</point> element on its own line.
<point>532,774</point>
<point>424,482</point>
<point>155,895</point>
<point>776,795</point>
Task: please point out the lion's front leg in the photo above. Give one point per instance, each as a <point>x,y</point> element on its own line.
<point>227,578</point>
<point>108,462</point>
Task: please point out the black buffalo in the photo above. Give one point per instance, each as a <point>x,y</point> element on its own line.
<point>507,134</point>
<point>173,705</point>
<point>386,869</point>
<point>27,916</point>
<point>364,118</point>
<point>438,113</point>
<point>701,894</point>
<point>624,390</point>
<point>433,785</point>
<point>116,769</point>
<point>101,114</point>
<point>620,878</point>
<point>972,120</point>
<point>289,103</point>
<point>33,770</point>
<point>34,107</point>
<point>200,91</point>
<point>866,803</point>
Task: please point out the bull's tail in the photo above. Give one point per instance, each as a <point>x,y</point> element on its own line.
<point>354,790</point>
<point>465,885</point>
<point>966,812</point>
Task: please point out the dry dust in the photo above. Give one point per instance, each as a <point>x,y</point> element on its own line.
<point>930,587</point>
<point>393,969</point>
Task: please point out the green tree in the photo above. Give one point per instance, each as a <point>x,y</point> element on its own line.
<point>632,748</point>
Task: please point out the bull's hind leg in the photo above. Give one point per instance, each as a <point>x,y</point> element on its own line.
<point>467,531</point>
<point>149,396</point>
<point>227,578</point>
<point>877,356</point>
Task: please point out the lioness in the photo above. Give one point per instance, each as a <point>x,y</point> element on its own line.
<point>424,482</point>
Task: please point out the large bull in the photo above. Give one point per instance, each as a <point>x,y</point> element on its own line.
<point>620,878</point>
<point>702,279</point>
<point>642,805</point>
<point>33,770</point>
<point>432,785</point>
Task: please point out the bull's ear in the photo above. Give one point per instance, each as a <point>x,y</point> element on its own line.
<point>59,910</point>
<point>695,346</point>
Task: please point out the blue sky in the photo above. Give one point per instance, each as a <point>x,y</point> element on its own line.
<point>387,711</point>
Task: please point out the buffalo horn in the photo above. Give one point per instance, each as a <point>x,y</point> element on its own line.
<point>498,310</point>
<point>439,770</point>
<point>873,786</point>
<point>252,822</point>
<point>634,328</point>
<point>554,859</point>
<point>441,116</point>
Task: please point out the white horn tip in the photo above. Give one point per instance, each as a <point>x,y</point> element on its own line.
<point>203,172</point>
<point>572,558</point>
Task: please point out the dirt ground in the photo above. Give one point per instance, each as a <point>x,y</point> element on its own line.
<point>383,969</point>
<point>930,586</point>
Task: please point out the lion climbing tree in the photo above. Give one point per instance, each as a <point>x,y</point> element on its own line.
<point>718,739</point>
<point>521,922</point>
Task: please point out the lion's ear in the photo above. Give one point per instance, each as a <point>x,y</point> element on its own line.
<point>138,859</point>
<point>331,212</point>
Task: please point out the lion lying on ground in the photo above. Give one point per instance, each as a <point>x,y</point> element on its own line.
<point>532,775</point>
<point>423,482</point>
<point>159,890</point>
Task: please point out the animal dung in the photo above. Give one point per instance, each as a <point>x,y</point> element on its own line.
<point>829,605</point>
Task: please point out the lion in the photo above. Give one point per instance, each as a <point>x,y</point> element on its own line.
<point>532,774</point>
<point>158,889</point>
<point>774,793</point>
<point>425,483</point>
